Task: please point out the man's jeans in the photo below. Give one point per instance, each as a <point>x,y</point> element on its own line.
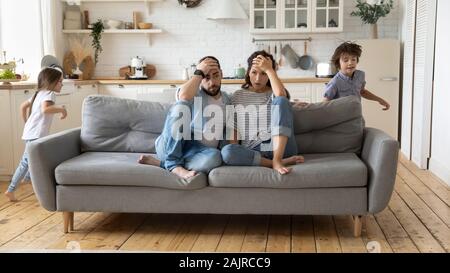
<point>190,154</point>
<point>21,171</point>
<point>282,124</point>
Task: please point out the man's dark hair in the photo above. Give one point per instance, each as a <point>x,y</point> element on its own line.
<point>210,57</point>
<point>349,48</point>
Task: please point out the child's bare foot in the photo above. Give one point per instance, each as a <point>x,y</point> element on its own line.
<point>279,167</point>
<point>296,159</point>
<point>183,173</point>
<point>149,160</point>
<point>11,196</point>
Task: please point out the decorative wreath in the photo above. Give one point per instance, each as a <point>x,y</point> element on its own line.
<point>189,3</point>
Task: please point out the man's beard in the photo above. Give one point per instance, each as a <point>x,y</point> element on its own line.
<point>212,94</point>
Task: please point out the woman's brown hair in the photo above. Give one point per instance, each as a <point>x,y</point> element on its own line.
<point>349,48</point>
<point>248,83</point>
<point>47,79</point>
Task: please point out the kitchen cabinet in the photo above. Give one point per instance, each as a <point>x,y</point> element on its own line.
<point>301,92</point>
<point>123,91</point>
<point>6,150</point>
<point>318,90</point>
<point>77,98</point>
<point>327,15</point>
<point>296,16</point>
<point>164,93</point>
<point>306,92</point>
<point>58,124</point>
<point>17,98</point>
<point>158,93</point>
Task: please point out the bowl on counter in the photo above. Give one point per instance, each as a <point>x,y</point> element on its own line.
<point>113,24</point>
<point>145,25</point>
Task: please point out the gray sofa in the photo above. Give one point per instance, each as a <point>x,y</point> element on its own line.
<point>349,169</point>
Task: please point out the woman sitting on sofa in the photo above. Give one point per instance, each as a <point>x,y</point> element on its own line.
<point>263,120</point>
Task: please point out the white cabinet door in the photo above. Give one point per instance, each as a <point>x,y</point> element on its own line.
<point>120,90</point>
<point>264,16</point>
<point>81,92</point>
<point>327,15</point>
<point>6,150</point>
<point>317,89</point>
<point>300,91</point>
<point>17,98</point>
<point>157,93</point>
<point>296,16</point>
<point>58,124</point>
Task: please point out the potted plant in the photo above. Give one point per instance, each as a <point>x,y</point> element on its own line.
<point>372,10</point>
<point>96,34</point>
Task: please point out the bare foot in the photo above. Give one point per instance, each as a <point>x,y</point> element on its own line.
<point>149,160</point>
<point>183,173</point>
<point>279,167</point>
<point>296,159</point>
<point>11,196</point>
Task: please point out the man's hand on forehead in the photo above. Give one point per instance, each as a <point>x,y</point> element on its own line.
<point>207,65</point>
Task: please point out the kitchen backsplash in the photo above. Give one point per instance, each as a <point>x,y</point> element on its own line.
<point>188,35</point>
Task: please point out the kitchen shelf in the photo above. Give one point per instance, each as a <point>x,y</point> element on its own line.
<point>114,31</point>
<point>117,31</point>
<point>107,1</point>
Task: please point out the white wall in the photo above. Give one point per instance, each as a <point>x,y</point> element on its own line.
<point>188,36</point>
<point>440,150</point>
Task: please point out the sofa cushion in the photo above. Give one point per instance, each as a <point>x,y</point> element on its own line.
<point>329,127</point>
<point>318,171</point>
<point>345,137</point>
<point>120,169</point>
<point>121,125</point>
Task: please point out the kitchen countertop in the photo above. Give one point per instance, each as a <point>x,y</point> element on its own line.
<point>26,85</point>
<point>18,85</point>
<point>224,81</point>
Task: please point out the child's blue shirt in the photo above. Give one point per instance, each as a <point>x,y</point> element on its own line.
<point>343,86</point>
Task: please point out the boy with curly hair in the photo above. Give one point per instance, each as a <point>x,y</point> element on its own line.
<point>349,81</point>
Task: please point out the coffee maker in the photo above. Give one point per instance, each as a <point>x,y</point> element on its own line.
<point>138,69</point>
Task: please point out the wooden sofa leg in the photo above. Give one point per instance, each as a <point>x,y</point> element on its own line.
<point>357,225</point>
<point>68,221</point>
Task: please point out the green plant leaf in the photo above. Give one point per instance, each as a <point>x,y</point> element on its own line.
<point>96,35</point>
<point>370,14</point>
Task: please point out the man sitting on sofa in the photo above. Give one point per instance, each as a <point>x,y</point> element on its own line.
<point>187,156</point>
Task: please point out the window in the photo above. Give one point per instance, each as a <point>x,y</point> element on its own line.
<point>20,34</point>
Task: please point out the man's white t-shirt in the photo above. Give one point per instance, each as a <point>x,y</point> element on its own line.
<point>213,143</point>
<point>38,124</point>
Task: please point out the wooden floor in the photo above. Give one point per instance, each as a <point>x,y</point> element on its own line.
<point>416,220</point>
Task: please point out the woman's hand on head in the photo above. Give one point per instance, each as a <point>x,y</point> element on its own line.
<point>263,63</point>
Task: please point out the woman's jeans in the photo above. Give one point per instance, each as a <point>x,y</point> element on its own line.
<point>21,171</point>
<point>282,124</point>
<point>178,152</point>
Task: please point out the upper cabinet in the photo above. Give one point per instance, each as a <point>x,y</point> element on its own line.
<point>296,16</point>
<point>327,15</point>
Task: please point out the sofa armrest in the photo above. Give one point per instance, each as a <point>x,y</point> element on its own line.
<point>45,155</point>
<point>380,154</point>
